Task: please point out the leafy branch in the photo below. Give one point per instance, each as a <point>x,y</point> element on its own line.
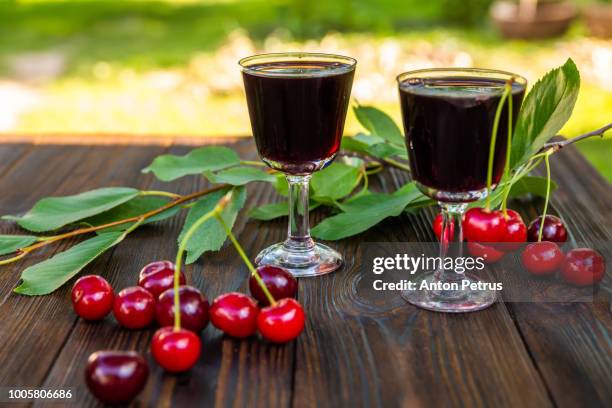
<point>562,143</point>
<point>139,219</point>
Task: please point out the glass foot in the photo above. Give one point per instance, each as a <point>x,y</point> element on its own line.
<point>469,299</point>
<point>319,260</point>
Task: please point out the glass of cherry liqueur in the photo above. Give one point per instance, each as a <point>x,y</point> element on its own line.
<point>297,105</point>
<point>448,117</point>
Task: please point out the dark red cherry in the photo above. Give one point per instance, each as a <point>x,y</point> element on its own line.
<point>489,253</point>
<point>279,281</point>
<point>158,276</point>
<point>482,225</point>
<point>116,377</point>
<point>175,350</point>
<point>194,308</point>
<point>235,314</point>
<point>515,232</point>
<point>542,258</point>
<point>281,322</point>
<point>554,229</point>
<point>134,307</point>
<point>92,297</point>
<point>583,267</point>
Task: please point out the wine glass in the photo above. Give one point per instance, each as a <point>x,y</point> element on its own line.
<point>297,105</point>
<point>448,117</point>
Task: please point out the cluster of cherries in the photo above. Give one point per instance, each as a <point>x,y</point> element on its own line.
<point>118,376</point>
<point>491,234</point>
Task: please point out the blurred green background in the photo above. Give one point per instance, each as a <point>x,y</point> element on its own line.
<point>169,67</point>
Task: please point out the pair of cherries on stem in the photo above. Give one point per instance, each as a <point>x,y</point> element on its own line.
<point>482,226</point>
<point>238,315</point>
<point>579,267</point>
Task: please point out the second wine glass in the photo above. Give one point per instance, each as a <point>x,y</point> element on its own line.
<point>449,121</point>
<point>297,105</point>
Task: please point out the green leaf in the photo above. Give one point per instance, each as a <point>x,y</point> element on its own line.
<point>133,208</point>
<point>335,181</point>
<point>11,243</point>
<point>419,203</point>
<point>47,276</point>
<point>531,185</point>
<point>525,185</point>
<point>383,150</point>
<point>354,145</point>
<point>271,211</point>
<point>379,124</point>
<point>545,110</point>
<point>281,186</point>
<point>368,139</point>
<point>169,167</point>
<point>366,211</point>
<point>210,235</point>
<point>54,212</point>
<point>239,176</point>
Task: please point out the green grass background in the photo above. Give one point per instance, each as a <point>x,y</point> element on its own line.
<point>139,36</point>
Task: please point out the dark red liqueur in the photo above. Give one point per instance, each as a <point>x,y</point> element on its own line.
<point>297,111</point>
<point>448,122</point>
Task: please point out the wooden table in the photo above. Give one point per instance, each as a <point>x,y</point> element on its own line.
<point>358,349</point>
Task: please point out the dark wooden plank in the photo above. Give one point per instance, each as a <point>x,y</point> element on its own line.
<point>360,348</point>
<point>570,342</point>
<point>366,348</point>
<point>10,155</point>
<point>231,372</point>
<point>33,329</point>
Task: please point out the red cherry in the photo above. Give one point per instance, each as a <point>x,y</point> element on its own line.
<point>481,225</point>
<point>116,377</point>
<point>175,350</point>
<point>583,267</point>
<point>515,232</point>
<point>437,227</point>
<point>235,314</point>
<point>194,308</point>
<point>134,307</point>
<point>489,253</point>
<point>92,297</point>
<point>158,276</point>
<point>281,322</point>
<point>554,229</point>
<point>542,258</point>
<point>279,281</point>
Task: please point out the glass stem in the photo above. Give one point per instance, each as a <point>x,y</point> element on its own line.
<point>451,245</point>
<point>299,225</point>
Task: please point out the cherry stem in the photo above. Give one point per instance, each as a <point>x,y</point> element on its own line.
<point>253,163</point>
<point>547,161</point>
<point>396,164</point>
<point>181,250</point>
<point>500,105</point>
<point>507,165</point>
<point>174,196</point>
<point>246,259</point>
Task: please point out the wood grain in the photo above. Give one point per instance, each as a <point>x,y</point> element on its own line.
<point>360,347</point>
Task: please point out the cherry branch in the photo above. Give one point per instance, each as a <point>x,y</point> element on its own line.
<point>556,146</point>
<point>178,200</point>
